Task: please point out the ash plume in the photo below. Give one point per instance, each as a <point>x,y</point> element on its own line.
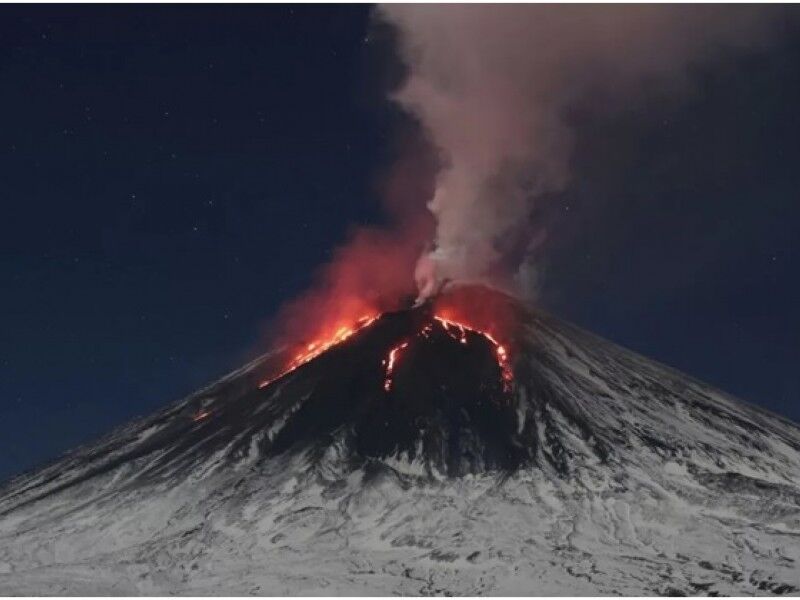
<point>492,87</point>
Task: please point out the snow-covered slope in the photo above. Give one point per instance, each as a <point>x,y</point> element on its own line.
<point>598,472</point>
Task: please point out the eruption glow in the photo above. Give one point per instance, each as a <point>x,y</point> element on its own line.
<point>455,329</point>
<point>446,324</point>
<point>507,374</point>
<point>390,362</point>
<point>458,331</point>
<point>461,314</point>
<point>313,349</point>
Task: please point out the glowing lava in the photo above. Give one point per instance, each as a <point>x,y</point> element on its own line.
<point>506,373</point>
<point>455,329</point>
<point>390,362</point>
<point>447,324</point>
<point>317,347</point>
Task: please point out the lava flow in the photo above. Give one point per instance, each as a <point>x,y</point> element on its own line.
<point>455,329</point>
<point>502,355</point>
<point>506,374</point>
<point>317,347</point>
<point>390,362</point>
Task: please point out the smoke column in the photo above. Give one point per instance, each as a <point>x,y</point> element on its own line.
<point>492,85</point>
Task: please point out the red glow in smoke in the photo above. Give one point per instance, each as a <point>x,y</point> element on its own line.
<point>365,279</point>
<point>373,271</point>
<point>313,349</point>
<point>489,312</point>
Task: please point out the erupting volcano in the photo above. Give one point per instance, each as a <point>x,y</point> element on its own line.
<point>466,445</point>
<point>435,321</point>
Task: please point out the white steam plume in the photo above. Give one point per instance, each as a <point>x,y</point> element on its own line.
<point>491,85</point>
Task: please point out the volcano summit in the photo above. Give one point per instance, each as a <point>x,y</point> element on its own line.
<point>424,453</point>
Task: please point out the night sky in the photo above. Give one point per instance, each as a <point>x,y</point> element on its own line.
<point>171,175</point>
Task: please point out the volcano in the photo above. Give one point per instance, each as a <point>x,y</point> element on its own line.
<point>422,453</point>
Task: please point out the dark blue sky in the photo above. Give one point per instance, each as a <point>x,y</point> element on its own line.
<point>171,175</point>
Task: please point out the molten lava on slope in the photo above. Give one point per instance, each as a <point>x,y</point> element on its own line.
<point>456,330</point>
<point>448,326</point>
<point>502,354</point>
<point>318,346</point>
<point>418,382</point>
<point>390,362</point>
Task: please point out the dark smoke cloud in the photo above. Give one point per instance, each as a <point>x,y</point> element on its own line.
<point>492,87</point>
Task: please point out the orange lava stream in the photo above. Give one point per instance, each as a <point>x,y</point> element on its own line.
<point>507,374</point>
<point>317,347</point>
<point>458,331</point>
<point>390,362</point>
